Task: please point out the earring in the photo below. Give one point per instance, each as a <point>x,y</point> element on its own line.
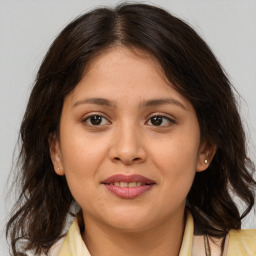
<point>58,169</point>
<point>206,161</point>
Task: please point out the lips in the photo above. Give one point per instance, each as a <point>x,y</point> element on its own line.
<point>128,186</point>
<point>128,179</point>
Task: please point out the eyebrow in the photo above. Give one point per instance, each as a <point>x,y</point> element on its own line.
<point>96,101</point>
<point>143,104</point>
<point>158,102</point>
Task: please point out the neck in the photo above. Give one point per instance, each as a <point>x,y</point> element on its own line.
<point>162,239</point>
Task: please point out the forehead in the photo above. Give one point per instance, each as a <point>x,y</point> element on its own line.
<point>121,73</point>
<point>111,58</point>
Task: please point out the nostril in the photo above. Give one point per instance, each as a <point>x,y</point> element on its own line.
<point>132,160</point>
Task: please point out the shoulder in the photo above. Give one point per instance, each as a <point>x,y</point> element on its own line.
<point>242,242</point>
<point>55,249</point>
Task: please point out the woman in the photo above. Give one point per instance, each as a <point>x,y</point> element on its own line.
<point>132,126</point>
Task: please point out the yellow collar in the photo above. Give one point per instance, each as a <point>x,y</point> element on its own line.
<point>74,245</point>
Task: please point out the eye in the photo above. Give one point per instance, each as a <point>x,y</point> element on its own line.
<point>159,120</point>
<point>95,120</point>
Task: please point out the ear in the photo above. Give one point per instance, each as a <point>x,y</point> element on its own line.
<point>55,153</point>
<point>206,153</point>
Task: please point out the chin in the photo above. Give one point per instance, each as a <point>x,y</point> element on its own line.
<point>130,220</point>
<point>131,226</point>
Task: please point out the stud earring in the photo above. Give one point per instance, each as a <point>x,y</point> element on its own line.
<point>206,161</point>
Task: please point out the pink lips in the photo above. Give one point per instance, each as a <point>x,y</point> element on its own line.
<point>128,192</point>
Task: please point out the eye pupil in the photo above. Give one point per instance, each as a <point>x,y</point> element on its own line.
<point>156,120</point>
<point>96,120</point>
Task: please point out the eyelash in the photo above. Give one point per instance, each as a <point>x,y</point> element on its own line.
<point>170,120</point>
<point>89,117</point>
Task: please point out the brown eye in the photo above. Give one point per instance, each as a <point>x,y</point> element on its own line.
<point>159,120</point>
<point>95,120</point>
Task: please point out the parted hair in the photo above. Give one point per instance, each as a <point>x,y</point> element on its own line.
<point>44,201</point>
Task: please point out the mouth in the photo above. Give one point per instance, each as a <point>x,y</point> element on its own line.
<point>128,186</point>
<point>123,184</point>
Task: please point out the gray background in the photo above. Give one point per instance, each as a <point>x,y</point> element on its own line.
<point>27,27</point>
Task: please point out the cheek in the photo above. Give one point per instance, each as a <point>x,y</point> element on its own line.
<point>177,159</point>
<point>81,158</point>
<point>81,151</point>
<point>176,153</point>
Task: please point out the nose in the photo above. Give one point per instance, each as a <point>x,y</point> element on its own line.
<point>127,146</point>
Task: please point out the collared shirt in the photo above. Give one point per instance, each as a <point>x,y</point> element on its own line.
<point>74,245</point>
<point>238,243</point>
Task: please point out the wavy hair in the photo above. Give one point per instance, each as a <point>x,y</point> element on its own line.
<point>44,202</point>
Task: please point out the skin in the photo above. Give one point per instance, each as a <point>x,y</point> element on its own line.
<point>127,141</point>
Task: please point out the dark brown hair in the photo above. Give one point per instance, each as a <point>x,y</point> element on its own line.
<point>45,200</point>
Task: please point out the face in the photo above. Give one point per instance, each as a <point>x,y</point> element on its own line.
<point>129,144</point>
